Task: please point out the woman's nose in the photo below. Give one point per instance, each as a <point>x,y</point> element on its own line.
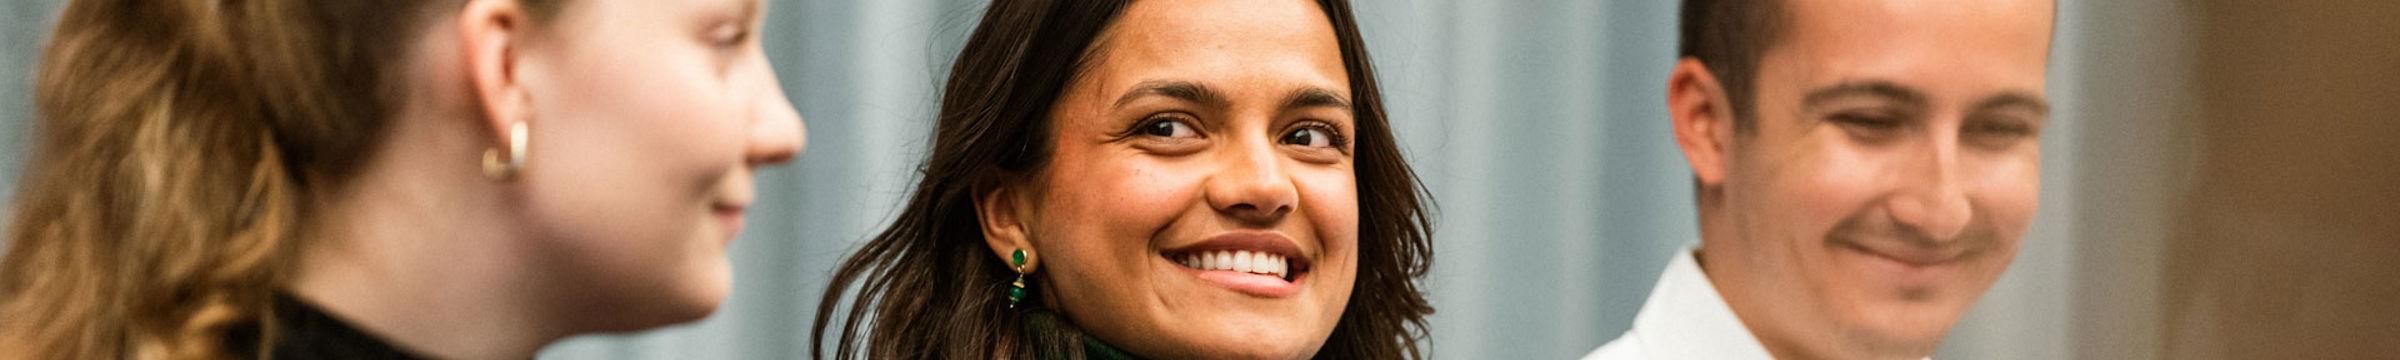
<point>1252,186</point>
<point>777,133</point>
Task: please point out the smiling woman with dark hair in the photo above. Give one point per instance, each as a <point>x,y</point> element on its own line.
<point>1160,179</point>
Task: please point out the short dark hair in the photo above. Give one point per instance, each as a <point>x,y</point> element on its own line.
<point>1729,37</point>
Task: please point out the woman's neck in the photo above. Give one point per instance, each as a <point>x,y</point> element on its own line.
<point>418,252</point>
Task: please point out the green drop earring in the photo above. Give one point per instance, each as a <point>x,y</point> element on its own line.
<point>1016,289</point>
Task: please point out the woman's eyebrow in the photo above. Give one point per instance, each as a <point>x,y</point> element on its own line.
<point>1180,90</point>
<point>1312,96</point>
<point>753,11</point>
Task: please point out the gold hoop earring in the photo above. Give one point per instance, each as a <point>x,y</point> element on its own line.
<point>503,170</point>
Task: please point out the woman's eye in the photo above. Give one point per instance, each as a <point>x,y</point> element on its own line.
<point>1311,137</point>
<point>734,40</point>
<point>729,36</point>
<point>1168,128</point>
<point>1307,137</point>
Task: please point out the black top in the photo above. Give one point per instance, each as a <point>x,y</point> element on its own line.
<point>303,332</point>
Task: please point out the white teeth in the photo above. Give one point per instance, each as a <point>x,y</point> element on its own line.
<point>1238,261</point>
<point>1260,263</point>
<point>1275,265</point>
<point>1279,266</point>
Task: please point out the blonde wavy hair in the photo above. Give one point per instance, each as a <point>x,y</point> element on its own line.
<point>180,144</point>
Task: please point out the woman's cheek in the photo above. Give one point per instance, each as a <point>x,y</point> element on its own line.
<point>1104,200</point>
<point>1154,191</point>
<point>1329,198</point>
<point>1329,205</point>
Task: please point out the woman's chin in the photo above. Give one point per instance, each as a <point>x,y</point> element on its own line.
<point>1262,348</point>
<point>688,299</point>
<point>678,311</point>
<point>1249,337</point>
<point>706,283</point>
<point>703,293</point>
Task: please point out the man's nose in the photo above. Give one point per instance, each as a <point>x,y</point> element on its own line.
<point>1931,197</point>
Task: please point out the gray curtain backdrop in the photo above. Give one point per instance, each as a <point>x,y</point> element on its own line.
<point>1538,125</point>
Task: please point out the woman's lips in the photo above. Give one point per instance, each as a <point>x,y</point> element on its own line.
<point>1263,264</point>
<point>729,217</point>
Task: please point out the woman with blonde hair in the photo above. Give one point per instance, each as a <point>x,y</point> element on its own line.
<point>469,179</point>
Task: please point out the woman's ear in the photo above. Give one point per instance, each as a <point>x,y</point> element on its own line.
<point>490,32</point>
<point>1002,214</point>
<point>1702,118</point>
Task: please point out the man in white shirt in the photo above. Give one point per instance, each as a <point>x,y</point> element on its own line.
<point>1865,171</point>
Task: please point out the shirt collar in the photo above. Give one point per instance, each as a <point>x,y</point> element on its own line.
<point>1685,318</point>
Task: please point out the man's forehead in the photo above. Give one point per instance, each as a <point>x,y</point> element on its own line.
<point>1941,48</point>
<point>1979,20</point>
<point>2035,10</point>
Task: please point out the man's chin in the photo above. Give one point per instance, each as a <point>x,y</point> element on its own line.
<point>1900,329</point>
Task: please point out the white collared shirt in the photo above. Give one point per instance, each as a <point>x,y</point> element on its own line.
<point>1684,319</point>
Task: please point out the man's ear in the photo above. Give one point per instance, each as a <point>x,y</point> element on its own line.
<point>490,32</point>
<point>1703,120</point>
<point>1002,212</point>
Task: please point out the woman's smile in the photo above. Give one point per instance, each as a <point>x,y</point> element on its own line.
<point>1257,263</point>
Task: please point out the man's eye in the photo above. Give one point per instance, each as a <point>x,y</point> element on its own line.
<point>1997,133</point>
<point>1866,121</point>
<point>1997,128</point>
<point>1871,127</point>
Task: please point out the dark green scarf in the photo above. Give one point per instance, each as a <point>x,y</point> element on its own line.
<point>1041,325</point>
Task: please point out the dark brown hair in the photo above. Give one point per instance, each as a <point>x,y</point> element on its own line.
<point>180,143</point>
<point>929,287</point>
<point>1729,37</point>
